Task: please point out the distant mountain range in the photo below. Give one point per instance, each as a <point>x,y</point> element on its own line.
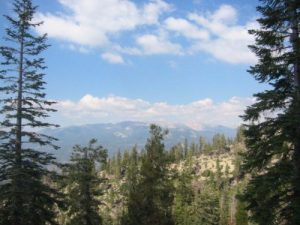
<point>124,135</point>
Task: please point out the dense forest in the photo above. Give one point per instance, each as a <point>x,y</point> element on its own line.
<point>251,179</point>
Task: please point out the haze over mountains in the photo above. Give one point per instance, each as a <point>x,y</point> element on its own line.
<point>124,135</point>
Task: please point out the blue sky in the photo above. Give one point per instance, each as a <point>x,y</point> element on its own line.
<point>172,61</point>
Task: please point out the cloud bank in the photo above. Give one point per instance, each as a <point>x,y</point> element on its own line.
<point>124,27</point>
<point>91,109</point>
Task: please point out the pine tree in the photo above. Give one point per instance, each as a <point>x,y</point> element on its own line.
<point>219,143</point>
<point>24,198</point>
<point>185,148</point>
<point>207,206</point>
<point>225,205</point>
<point>222,184</point>
<point>177,152</point>
<point>130,215</point>
<point>84,184</point>
<point>273,130</point>
<point>240,138</point>
<point>184,196</point>
<point>202,143</point>
<point>192,150</point>
<point>154,192</point>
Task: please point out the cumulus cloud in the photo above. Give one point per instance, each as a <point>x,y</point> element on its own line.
<point>91,109</point>
<point>91,22</point>
<point>229,41</point>
<point>225,14</point>
<point>185,28</point>
<point>157,44</point>
<point>101,24</point>
<point>216,33</point>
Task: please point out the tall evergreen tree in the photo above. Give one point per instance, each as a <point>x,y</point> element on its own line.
<point>273,130</point>
<point>130,215</point>
<point>185,147</point>
<point>154,191</point>
<point>24,198</point>
<point>84,184</point>
<point>202,143</point>
<point>184,196</point>
<point>207,206</point>
<point>219,143</point>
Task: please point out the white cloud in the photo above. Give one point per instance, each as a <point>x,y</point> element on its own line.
<point>216,33</point>
<point>153,10</point>
<point>157,44</point>
<point>185,28</point>
<point>113,58</point>
<point>225,14</point>
<point>229,41</point>
<point>68,29</point>
<point>91,22</point>
<point>90,109</point>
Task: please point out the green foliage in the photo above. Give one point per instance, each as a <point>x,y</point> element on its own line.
<point>153,196</point>
<point>273,132</point>
<point>202,144</point>
<point>241,214</point>
<point>240,137</point>
<point>193,150</point>
<point>219,143</point>
<point>206,173</point>
<point>184,196</point>
<point>25,199</point>
<point>176,153</point>
<point>84,184</point>
<point>225,205</point>
<point>190,187</point>
<point>130,215</point>
<point>185,148</point>
<point>222,185</point>
<point>207,207</point>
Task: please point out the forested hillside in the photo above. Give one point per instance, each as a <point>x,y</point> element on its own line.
<point>199,183</point>
<point>204,184</point>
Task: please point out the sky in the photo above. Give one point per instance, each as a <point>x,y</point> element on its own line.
<point>166,61</point>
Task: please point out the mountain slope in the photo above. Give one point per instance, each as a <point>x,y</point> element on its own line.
<point>124,135</point>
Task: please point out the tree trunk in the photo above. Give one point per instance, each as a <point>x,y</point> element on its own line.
<point>18,142</point>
